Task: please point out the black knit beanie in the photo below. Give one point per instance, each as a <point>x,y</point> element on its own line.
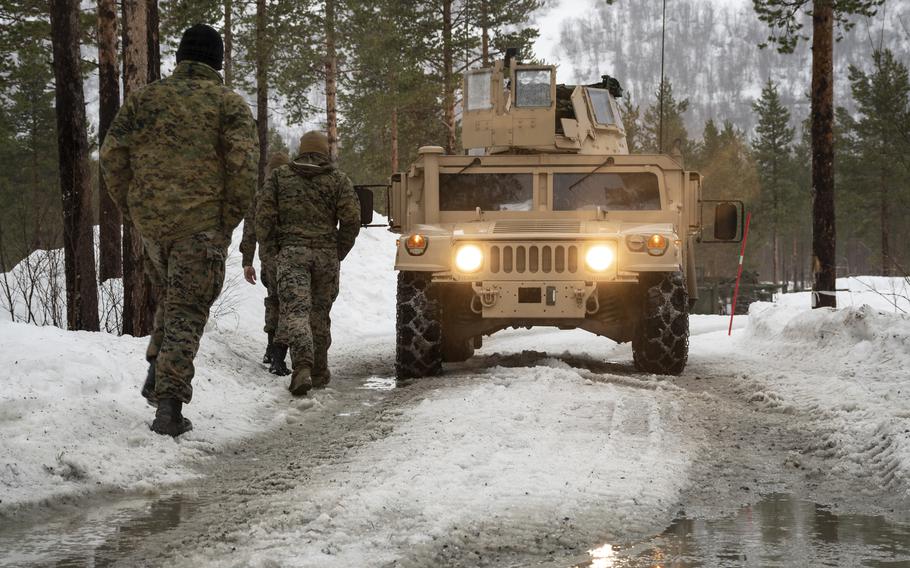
<point>202,43</point>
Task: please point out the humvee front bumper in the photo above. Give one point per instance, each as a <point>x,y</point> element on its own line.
<point>533,299</point>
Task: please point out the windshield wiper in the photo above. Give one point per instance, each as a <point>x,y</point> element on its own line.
<point>474,162</point>
<point>589,174</point>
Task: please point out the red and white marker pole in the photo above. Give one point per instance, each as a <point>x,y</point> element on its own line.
<point>739,274</point>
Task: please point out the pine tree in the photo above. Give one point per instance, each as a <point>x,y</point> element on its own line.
<point>882,141</point>
<point>109,219</point>
<point>138,66</point>
<point>728,168</point>
<point>674,128</point>
<point>75,177</point>
<point>631,121</point>
<point>773,156</point>
<point>783,16</point>
<point>390,101</point>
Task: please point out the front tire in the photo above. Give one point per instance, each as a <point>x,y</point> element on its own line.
<point>418,328</point>
<point>660,344</point>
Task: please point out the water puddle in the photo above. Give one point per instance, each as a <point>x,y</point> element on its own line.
<point>780,530</point>
<point>379,384</point>
<point>96,536</point>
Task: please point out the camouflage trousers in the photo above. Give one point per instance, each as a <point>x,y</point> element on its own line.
<point>189,274</point>
<point>307,287</point>
<point>269,279</point>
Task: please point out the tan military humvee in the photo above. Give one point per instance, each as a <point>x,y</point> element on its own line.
<point>547,221</point>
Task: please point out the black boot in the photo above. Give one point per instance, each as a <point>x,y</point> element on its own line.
<point>169,420</point>
<point>267,358</point>
<point>278,366</point>
<point>148,388</point>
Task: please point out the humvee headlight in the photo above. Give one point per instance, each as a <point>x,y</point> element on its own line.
<point>416,245</point>
<point>657,245</point>
<point>469,258</point>
<point>599,257</point>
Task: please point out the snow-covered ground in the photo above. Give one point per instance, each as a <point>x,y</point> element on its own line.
<point>71,418</point>
<point>549,431</point>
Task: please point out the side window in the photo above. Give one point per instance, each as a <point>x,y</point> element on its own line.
<point>532,88</point>
<point>602,106</point>
<point>478,89</point>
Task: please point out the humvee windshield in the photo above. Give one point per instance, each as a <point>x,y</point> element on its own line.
<point>616,192</point>
<point>490,192</point>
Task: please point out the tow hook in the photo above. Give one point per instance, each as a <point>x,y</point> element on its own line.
<point>489,296</point>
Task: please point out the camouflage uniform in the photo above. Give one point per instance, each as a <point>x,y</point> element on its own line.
<point>308,218</point>
<point>180,161</point>
<point>267,272</point>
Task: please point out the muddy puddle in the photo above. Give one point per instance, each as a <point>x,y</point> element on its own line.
<point>780,530</point>
<point>96,535</point>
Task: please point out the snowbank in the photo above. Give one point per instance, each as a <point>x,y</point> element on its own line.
<point>847,367</point>
<point>71,418</point>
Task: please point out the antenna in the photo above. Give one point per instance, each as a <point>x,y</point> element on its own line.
<point>663,33</point>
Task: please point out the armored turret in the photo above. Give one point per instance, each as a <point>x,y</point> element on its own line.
<point>521,108</point>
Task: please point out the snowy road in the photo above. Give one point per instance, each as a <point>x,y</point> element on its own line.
<point>787,444</point>
<point>517,457</point>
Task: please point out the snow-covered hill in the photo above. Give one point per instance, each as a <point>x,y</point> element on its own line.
<point>712,53</point>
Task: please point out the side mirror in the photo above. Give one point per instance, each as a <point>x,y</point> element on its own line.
<point>365,196</point>
<point>726,221</point>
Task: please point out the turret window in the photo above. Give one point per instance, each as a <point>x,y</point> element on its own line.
<point>479,90</point>
<point>532,88</point>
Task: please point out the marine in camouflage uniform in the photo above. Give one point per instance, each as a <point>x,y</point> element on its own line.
<point>268,276</point>
<point>180,161</point>
<point>308,217</point>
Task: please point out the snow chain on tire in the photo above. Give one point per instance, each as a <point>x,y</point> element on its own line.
<point>418,330</point>
<point>661,341</point>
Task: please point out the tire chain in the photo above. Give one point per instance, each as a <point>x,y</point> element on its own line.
<point>418,329</point>
<point>661,343</point>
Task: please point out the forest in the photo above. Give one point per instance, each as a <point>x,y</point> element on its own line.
<point>384,77</point>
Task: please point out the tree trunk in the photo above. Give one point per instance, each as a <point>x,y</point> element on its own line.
<point>823,223</point>
<point>448,98</point>
<point>484,35</point>
<point>885,222</point>
<point>775,257</point>
<point>262,90</point>
<point>111,260</point>
<point>331,72</point>
<point>153,42</point>
<point>75,176</point>
<point>137,293</point>
<point>794,266</point>
<point>228,43</point>
<point>393,127</point>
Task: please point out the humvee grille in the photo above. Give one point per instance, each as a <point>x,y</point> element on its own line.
<point>537,226</point>
<point>535,258</point>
